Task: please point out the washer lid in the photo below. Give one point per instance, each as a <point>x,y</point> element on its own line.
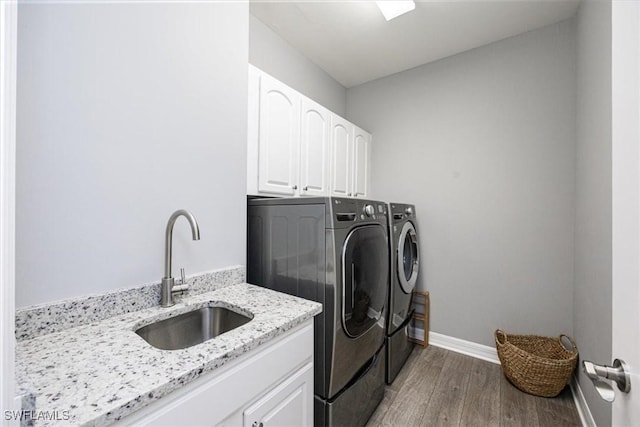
<point>408,257</point>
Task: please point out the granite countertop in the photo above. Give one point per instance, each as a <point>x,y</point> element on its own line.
<point>98,373</point>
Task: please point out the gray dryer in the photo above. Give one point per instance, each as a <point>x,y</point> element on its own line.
<point>404,255</point>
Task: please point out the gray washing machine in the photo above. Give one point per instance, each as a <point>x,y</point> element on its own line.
<point>404,253</point>
<point>334,251</point>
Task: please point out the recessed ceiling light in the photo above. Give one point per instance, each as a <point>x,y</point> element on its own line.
<point>394,8</point>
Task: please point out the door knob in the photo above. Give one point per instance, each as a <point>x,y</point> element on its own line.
<point>617,373</point>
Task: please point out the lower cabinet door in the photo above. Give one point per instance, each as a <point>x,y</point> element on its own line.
<point>290,403</point>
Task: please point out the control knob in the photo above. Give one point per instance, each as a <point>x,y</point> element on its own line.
<point>369,210</point>
<point>409,211</point>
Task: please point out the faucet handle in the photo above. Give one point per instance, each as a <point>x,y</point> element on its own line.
<point>183,286</point>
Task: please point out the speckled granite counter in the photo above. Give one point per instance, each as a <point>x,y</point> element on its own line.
<point>101,372</point>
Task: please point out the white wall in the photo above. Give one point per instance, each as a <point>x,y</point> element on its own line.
<point>8,45</point>
<point>592,290</point>
<point>484,144</point>
<point>127,112</point>
<point>272,54</point>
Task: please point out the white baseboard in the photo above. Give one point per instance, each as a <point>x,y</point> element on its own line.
<point>581,404</point>
<point>479,351</point>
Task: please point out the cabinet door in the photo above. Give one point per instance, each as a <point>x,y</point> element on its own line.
<point>288,404</point>
<point>341,152</point>
<point>278,137</point>
<point>314,149</point>
<point>361,162</point>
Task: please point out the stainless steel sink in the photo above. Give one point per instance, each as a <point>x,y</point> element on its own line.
<point>191,328</point>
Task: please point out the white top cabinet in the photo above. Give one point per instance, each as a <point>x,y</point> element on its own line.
<point>350,159</point>
<point>341,157</point>
<point>296,147</point>
<point>361,162</point>
<point>314,149</point>
<point>279,136</point>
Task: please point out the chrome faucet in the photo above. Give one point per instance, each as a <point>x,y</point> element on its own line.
<point>168,287</point>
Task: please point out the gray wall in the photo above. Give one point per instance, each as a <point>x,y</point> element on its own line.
<point>272,54</point>
<point>593,281</point>
<point>127,112</point>
<point>484,144</point>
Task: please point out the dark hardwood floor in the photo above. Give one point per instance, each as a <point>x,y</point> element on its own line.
<point>438,387</point>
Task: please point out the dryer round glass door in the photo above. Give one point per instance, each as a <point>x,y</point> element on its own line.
<point>365,272</point>
<point>408,262</point>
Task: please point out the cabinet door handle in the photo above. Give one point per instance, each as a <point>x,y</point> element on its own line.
<point>295,187</point>
<point>306,188</point>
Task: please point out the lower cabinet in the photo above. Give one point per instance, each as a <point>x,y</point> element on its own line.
<point>271,386</point>
<point>284,405</point>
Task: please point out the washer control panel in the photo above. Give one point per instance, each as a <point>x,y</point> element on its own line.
<point>348,210</point>
<point>402,212</point>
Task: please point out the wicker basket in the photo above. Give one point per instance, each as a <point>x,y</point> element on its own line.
<point>536,365</point>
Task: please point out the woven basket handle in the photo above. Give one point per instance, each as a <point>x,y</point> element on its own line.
<point>500,337</point>
<point>573,343</point>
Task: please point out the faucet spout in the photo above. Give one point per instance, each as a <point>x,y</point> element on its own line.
<point>168,236</point>
<point>167,280</point>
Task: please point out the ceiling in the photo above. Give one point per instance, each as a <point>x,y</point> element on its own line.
<point>354,44</point>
